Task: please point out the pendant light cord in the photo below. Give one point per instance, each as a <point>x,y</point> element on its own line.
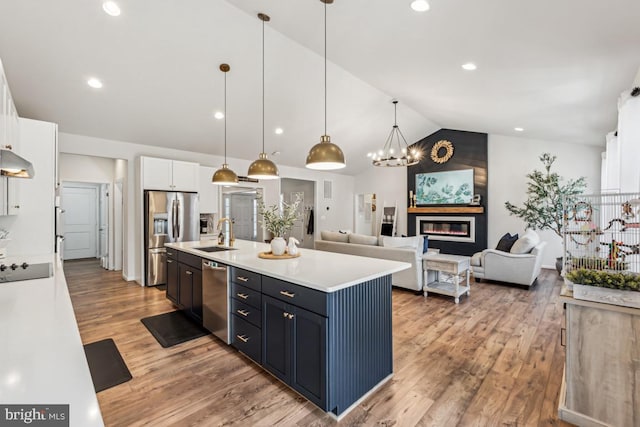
<point>225,117</point>
<point>325,68</point>
<point>263,86</point>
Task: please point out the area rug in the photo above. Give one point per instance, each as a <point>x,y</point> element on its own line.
<point>106,364</point>
<point>173,328</point>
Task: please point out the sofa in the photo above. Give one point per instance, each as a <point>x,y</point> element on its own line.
<point>521,264</point>
<point>405,249</point>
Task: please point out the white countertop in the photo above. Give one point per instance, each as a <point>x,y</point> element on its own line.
<point>320,270</point>
<point>42,361</point>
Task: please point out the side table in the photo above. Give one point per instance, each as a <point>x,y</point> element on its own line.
<point>457,269</point>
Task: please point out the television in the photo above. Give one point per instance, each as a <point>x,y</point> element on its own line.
<point>444,188</point>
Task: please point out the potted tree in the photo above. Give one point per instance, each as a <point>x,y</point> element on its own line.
<point>542,210</point>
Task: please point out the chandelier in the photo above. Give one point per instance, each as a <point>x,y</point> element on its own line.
<point>396,151</point>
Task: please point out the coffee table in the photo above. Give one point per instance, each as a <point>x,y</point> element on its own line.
<point>455,268</point>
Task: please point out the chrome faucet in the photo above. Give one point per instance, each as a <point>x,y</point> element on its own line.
<point>231,238</point>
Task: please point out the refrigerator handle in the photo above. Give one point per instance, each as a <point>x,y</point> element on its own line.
<point>179,213</point>
<point>174,219</point>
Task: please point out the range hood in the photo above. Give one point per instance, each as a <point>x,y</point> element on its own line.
<point>12,165</point>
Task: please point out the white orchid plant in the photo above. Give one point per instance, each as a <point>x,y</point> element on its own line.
<point>279,219</point>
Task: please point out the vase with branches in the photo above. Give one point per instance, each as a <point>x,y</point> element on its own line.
<point>279,220</point>
<point>546,193</point>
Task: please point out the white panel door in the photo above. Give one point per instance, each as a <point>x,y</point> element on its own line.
<point>79,220</point>
<point>298,230</point>
<point>243,216</point>
<point>103,226</point>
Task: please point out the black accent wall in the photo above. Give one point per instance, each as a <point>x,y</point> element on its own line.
<point>469,151</point>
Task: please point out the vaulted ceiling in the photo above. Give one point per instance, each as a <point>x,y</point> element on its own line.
<point>554,68</point>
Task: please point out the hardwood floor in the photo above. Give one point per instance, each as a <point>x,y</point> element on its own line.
<point>493,360</point>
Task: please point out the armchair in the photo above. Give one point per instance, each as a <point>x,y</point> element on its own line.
<point>522,269</point>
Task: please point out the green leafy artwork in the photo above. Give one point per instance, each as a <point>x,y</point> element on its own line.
<point>444,188</point>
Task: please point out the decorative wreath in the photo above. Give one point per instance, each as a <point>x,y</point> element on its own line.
<point>435,151</point>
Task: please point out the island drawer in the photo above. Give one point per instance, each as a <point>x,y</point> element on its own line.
<point>301,296</point>
<point>247,338</point>
<point>246,295</point>
<point>246,278</point>
<point>245,311</point>
<point>189,259</point>
<point>172,253</point>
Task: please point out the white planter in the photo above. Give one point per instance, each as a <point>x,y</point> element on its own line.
<point>278,245</point>
<point>606,295</point>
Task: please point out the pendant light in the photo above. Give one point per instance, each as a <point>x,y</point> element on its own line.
<point>224,175</point>
<point>263,168</point>
<point>395,153</point>
<point>325,155</point>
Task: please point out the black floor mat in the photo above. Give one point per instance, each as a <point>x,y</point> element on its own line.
<point>106,364</point>
<point>173,328</point>
<point>161,288</point>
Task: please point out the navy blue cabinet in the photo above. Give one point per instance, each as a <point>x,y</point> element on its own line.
<point>295,348</point>
<point>196,295</point>
<point>173,276</point>
<point>309,355</point>
<point>190,291</point>
<point>185,286</point>
<point>276,338</point>
<point>184,282</point>
<point>246,315</point>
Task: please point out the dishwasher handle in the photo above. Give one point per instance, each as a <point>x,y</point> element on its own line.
<point>212,265</point>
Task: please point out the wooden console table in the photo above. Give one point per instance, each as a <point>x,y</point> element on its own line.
<point>600,385</point>
<point>456,267</point>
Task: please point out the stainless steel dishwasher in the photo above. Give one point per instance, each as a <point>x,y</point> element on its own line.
<point>215,299</point>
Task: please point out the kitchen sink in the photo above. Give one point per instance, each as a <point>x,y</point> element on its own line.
<point>214,249</point>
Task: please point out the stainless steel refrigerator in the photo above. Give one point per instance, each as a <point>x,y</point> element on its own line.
<point>168,217</point>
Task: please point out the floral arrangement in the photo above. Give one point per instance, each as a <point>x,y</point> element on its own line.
<point>279,219</point>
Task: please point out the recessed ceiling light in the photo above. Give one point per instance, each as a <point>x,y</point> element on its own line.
<point>279,131</point>
<point>94,83</point>
<point>111,8</point>
<point>219,115</point>
<point>420,5</point>
<point>519,129</point>
<point>469,66</point>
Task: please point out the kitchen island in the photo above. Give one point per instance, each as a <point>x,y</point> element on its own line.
<point>42,361</point>
<point>321,322</point>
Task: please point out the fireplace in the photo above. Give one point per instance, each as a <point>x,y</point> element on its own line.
<point>447,228</point>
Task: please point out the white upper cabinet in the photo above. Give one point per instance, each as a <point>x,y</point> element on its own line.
<point>9,124</point>
<point>208,191</point>
<point>185,176</point>
<point>157,174</point>
<point>169,175</point>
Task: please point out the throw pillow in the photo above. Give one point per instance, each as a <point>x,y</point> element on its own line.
<point>334,236</point>
<point>506,242</point>
<point>400,242</point>
<point>524,244</point>
<point>363,239</point>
